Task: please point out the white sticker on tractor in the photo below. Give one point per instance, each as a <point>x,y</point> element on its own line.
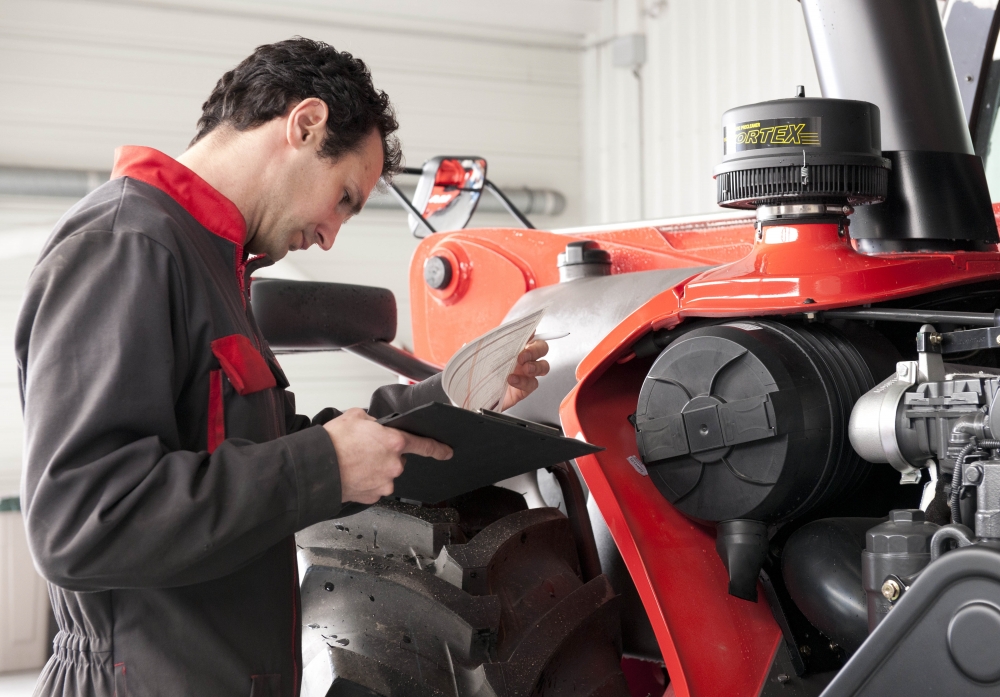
<point>637,464</point>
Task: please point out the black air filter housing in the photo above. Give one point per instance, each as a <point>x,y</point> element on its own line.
<point>802,150</point>
<point>748,419</point>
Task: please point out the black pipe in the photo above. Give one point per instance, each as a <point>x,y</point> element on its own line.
<point>892,314</point>
<point>394,360</point>
<point>893,53</point>
<point>579,519</point>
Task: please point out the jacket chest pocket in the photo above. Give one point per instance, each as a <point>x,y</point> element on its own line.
<point>240,393</point>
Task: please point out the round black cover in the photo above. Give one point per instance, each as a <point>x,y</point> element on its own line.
<point>748,419</point>
<point>766,145</point>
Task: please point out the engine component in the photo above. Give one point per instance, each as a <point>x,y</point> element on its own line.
<point>745,420</point>
<point>583,259</point>
<point>801,151</point>
<point>821,567</point>
<point>939,639</point>
<point>893,53</point>
<point>895,552</point>
<point>908,420</point>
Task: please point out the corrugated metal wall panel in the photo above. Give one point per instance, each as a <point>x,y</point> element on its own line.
<point>703,57</point>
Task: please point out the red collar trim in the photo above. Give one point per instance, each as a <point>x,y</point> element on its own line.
<point>214,211</point>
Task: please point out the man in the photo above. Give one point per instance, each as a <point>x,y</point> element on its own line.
<point>165,469</point>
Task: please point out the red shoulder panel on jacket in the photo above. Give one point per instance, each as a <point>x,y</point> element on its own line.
<point>214,211</point>
<point>243,365</point>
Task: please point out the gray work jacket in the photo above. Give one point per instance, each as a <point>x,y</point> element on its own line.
<point>165,469</point>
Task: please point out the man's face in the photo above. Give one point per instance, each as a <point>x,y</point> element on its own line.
<point>313,196</point>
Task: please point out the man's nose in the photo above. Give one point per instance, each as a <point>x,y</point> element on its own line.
<point>327,235</point>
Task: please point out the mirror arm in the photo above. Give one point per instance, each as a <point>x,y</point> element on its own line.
<point>394,359</point>
<point>511,208</point>
<point>405,203</point>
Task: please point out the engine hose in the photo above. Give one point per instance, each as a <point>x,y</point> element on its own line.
<point>956,482</point>
<point>956,475</point>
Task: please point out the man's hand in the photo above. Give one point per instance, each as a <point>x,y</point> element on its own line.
<point>371,456</point>
<point>524,380</point>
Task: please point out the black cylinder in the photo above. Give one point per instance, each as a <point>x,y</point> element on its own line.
<point>821,567</point>
<point>937,201</point>
<point>742,544</point>
<point>747,420</point>
<point>899,547</point>
<point>893,53</point>
<point>801,151</point>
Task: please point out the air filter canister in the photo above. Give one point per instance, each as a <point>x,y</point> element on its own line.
<point>802,150</point>
<point>746,420</point>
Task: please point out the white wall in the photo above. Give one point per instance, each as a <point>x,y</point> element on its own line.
<point>78,78</point>
<point>24,601</point>
<point>704,57</point>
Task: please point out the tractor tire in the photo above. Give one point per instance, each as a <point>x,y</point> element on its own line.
<point>471,600</point>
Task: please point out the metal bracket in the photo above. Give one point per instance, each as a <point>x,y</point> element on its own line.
<point>969,340</point>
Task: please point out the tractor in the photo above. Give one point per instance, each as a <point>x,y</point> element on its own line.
<point>799,487</point>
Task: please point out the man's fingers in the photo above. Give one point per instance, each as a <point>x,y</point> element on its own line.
<point>522,382</point>
<point>426,447</point>
<point>537,368</point>
<point>356,413</point>
<point>532,352</point>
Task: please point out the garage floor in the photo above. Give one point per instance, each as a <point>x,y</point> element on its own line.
<point>17,684</point>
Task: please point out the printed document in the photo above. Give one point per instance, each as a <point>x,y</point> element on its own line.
<point>476,376</point>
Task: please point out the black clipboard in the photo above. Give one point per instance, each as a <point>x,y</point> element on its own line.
<point>488,447</point>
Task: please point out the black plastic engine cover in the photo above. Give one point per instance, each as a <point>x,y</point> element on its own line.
<point>748,419</point>
<point>941,638</point>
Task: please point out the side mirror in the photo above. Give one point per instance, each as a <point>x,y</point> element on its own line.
<point>448,193</point>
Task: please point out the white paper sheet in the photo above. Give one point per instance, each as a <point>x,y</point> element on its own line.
<point>476,376</point>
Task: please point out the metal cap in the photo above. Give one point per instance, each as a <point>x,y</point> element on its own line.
<point>906,532</point>
<point>583,258</point>
<point>583,252</point>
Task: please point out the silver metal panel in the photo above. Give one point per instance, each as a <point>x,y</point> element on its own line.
<point>587,308</point>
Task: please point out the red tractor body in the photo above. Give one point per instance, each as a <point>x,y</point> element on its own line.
<point>712,643</point>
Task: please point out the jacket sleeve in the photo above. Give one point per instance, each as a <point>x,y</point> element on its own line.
<point>112,498</point>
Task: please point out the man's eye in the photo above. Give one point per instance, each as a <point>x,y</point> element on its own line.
<point>346,199</point>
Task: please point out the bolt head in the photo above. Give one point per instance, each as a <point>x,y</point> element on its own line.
<point>891,590</point>
<point>973,475</point>
<point>437,272</point>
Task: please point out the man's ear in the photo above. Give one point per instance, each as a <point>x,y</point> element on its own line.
<point>306,123</point>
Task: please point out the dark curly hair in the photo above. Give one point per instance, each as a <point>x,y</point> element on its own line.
<point>277,76</point>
